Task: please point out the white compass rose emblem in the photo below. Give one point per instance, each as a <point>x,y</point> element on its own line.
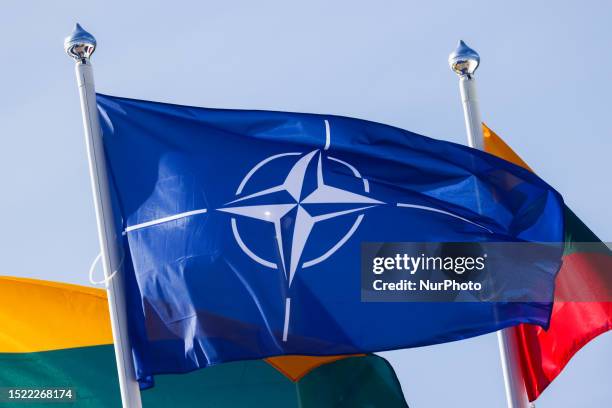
<point>266,206</point>
<point>300,201</point>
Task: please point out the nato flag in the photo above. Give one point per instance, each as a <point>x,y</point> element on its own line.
<point>242,231</point>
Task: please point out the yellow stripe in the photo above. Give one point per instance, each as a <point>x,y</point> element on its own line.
<point>496,146</point>
<point>39,315</point>
<point>295,367</point>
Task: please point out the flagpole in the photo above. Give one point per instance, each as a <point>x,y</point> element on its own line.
<point>80,45</point>
<point>464,61</point>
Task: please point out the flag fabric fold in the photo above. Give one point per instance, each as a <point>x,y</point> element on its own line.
<point>57,335</point>
<point>582,307</point>
<point>242,231</point>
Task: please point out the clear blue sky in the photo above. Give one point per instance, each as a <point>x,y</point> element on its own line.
<point>544,86</point>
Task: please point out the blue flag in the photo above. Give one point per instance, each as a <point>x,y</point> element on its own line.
<point>242,231</point>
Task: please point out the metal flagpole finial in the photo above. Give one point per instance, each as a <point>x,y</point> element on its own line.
<point>80,44</point>
<point>464,60</point>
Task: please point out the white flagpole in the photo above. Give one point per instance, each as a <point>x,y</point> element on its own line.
<point>80,45</point>
<point>464,61</point>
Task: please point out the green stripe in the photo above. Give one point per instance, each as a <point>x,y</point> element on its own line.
<point>579,238</point>
<point>353,382</point>
<point>237,384</point>
<point>367,381</point>
<point>90,371</point>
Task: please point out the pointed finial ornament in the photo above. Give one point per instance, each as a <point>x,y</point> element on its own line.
<point>464,60</point>
<point>80,44</point>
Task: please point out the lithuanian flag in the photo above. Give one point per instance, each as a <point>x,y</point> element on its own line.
<point>56,335</point>
<point>583,296</point>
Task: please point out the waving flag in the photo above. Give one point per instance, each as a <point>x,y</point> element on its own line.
<point>57,335</point>
<point>583,296</point>
<point>242,231</point>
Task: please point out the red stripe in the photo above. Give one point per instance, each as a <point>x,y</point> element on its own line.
<point>583,276</point>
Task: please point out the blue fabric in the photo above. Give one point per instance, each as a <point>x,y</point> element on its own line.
<point>210,287</point>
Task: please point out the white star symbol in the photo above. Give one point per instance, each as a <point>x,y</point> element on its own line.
<point>304,221</point>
